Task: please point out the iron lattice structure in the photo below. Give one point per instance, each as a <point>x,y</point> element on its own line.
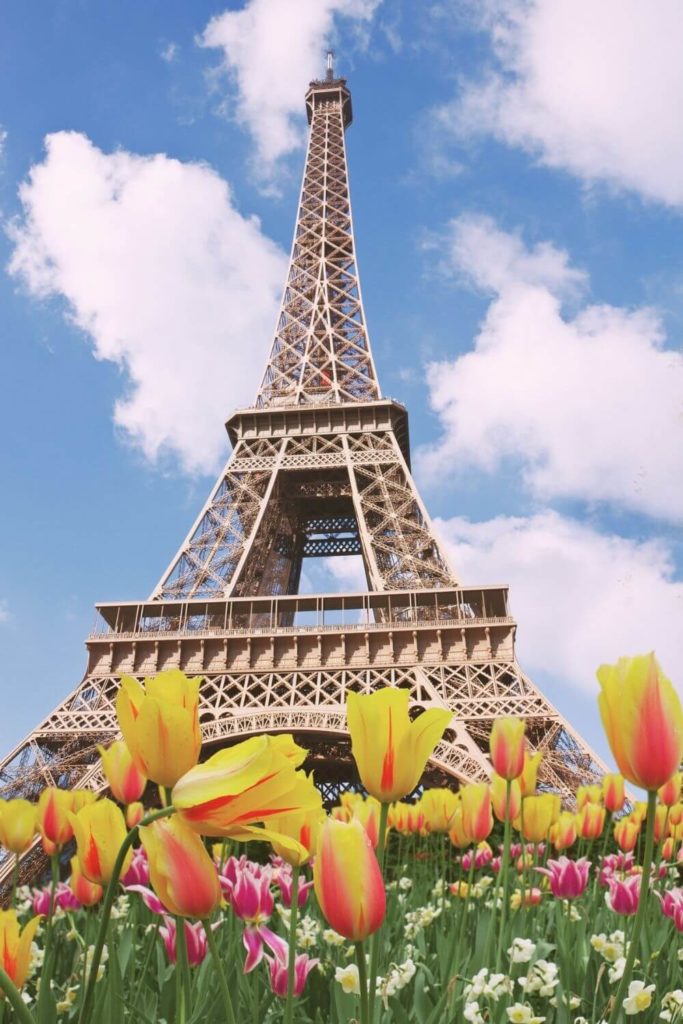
<point>320,467</point>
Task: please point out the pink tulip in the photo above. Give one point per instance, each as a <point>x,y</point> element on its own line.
<point>195,940</point>
<point>624,894</point>
<point>284,881</point>
<point>64,899</point>
<point>149,898</point>
<point>254,938</point>
<point>568,878</point>
<point>483,855</point>
<point>303,965</point>
<point>138,872</point>
<point>250,896</point>
<point>671,901</point>
<point>614,863</point>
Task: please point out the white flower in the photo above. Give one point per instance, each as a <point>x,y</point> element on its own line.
<point>348,979</point>
<point>639,997</point>
<point>405,882</point>
<point>616,972</point>
<point>472,1013</point>
<point>520,1013</point>
<point>672,1004</point>
<point>521,951</point>
<point>333,938</point>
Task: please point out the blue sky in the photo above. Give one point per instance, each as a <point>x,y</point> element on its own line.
<point>517,185</point>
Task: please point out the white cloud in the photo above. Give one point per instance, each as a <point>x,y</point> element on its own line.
<point>272,49</point>
<point>590,404</point>
<point>172,283</point>
<point>580,597</point>
<point>593,88</point>
<point>169,52</point>
<point>5,615</point>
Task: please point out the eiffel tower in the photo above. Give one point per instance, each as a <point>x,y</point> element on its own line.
<point>320,467</point>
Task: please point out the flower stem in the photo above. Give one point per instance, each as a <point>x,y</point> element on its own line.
<point>215,956</point>
<point>504,874</point>
<point>376,938</point>
<point>15,879</point>
<point>109,896</point>
<point>291,953</point>
<point>362,983</point>
<point>642,908</point>
<point>183,966</point>
<point>14,996</point>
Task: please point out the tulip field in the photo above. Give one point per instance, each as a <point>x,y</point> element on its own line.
<point>235,897</point>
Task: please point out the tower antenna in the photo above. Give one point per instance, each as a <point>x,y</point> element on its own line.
<point>330,65</point>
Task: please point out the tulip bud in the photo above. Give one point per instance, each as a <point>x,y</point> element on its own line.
<point>86,892</point>
<point>626,834</point>
<point>613,792</point>
<point>539,813</point>
<point>588,795</point>
<point>591,821</point>
<point>348,881</point>
<point>507,747</point>
<point>670,793</point>
<point>100,831</point>
<point>563,832</point>
<point>527,780</point>
<point>438,806</point>
<point>182,873</point>
<point>54,808</point>
<point>135,812</point>
<point>126,781</point>
<point>661,822</point>
<point>499,794</point>
<point>643,719</point>
<point>477,818</point>
<point>17,825</point>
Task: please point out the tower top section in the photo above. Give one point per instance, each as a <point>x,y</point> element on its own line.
<point>321,350</point>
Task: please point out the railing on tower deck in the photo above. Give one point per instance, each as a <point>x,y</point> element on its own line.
<point>480,606</point>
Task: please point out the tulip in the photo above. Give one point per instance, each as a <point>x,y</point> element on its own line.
<point>670,793</point>
<point>160,724</point>
<point>527,780</point>
<point>126,781</point>
<point>507,747</point>
<point>539,814</point>
<point>285,883</point>
<point>368,813</point>
<point>563,832</point>
<point>668,848</point>
<point>481,857</point>
<point>477,819</point>
<point>588,795</point>
<point>661,823</point>
<point>498,797</point>
<point>626,834</point>
<point>86,892</point>
<point>54,808</point>
<point>303,828</point>
<point>135,812</point>
<point>15,946</point>
<point>438,806</point>
<point>591,821</point>
<point>195,940</point>
<point>532,898</point>
<point>408,819</point>
<point>643,719</point>
<point>390,751</point>
<point>457,834</point>
<point>82,798</point>
<point>138,872</point>
<point>17,824</point>
<point>568,878</point>
<point>100,831</point>
<point>181,871</point>
<point>624,894</point>
<point>303,965</point>
<point>347,880</point>
<point>250,782</point>
<point>613,792</point>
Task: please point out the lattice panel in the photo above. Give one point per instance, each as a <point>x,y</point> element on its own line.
<point>321,352</point>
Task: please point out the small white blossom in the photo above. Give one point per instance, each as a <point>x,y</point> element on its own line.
<point>639,997</point>
<point>616,972</point>
<point>405,883</point>
<point>520,1013</point>
<point>333,938</point>
<point>521,951</point>
<point>348,978</point>
<point>472,1013</point>
<point>672,1005</point>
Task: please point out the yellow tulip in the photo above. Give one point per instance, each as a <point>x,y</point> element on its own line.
<point>301,826</point>
<point>626,834</point>
<point>126,781</point>
<point>438,807</point>
<point>507,747</point>
<point>591,821</point>
<point>457,833</point>
<point>390,751</point>
<point>15,946</point>
<point>527,780</point>
<point>539,814</point>
<point>86,892</point>
<point>643,719</point>
<point>613,792</point>
<point>499,796</point>
<point>670,793</point>
<point>588,795</point>
<point>242,786</point>
<point>347,880</point>
<point>160,724</point>
<point>100,831</point>
<point>563,832</point>
<point>54,808</point>
<point>181,871</point>
<point>18,824</point>
<point>368,813</point>
<point>477,819</point>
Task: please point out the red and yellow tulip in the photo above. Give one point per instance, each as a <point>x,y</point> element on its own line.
<point>160,724</point>
<point>670,793</point>
<point>507,747</point>
<point>15,946</point>
<point>54,807</point>
<point>303,828</point>
<point>181,871</point>
<point>563,832</point>
<point>527,780</point>
<point>540,813</point>
<point>126,781</point>
<point>368,813</point>
<point>613,792</point>
<point>438,806</point>
<point>245,785</point>
<point>591,821</point>
<point>499,797</point>
<point>100,830</point>
<point>347,880</point>
<point>588,795</point>
<point>626,832</point>
<point>643,719</point>
<point>390,751</point>
<point>18,824</point>
<point>86,892</point>
<point>477,819</point>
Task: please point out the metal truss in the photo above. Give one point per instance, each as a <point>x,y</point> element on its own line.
<point>320,467</point>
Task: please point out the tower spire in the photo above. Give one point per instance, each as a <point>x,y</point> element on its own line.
<point>321,351</point>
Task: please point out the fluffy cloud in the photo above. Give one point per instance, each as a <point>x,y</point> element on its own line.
<point>593,88</point>
<point>169,280</point>
<point>589,404</point>
<point>272,49</point>
<point>581,597</point>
